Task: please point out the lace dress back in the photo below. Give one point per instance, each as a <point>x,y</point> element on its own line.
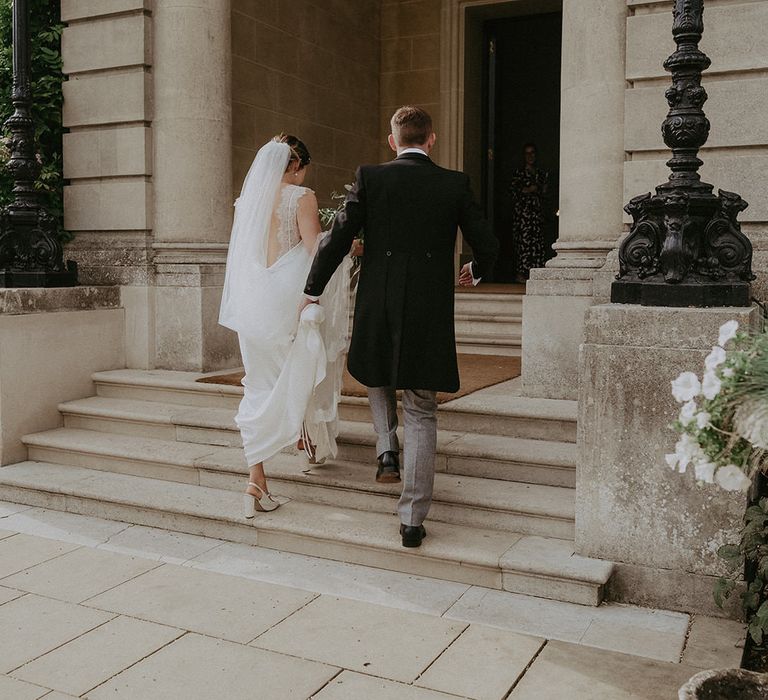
<point>284,233</point>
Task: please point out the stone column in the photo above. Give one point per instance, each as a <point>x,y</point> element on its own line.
<point>591,199</point>
<point>192,181</point>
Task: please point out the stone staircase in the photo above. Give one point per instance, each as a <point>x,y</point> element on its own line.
<point>489,323</point>
<point>160,449</point>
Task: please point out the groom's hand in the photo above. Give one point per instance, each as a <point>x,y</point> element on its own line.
<point>465,275</point>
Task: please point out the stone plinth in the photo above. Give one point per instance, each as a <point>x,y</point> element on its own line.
<point>51,342</point>
<point>661,528</point>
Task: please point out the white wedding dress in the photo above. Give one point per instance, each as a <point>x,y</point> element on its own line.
<point>293,366</point>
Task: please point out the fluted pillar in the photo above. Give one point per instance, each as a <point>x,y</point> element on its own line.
<point>192,130</point>
<point>591,194</point>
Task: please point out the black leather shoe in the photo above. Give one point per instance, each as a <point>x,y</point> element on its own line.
<point>412,535</point>
<point>389,468</point>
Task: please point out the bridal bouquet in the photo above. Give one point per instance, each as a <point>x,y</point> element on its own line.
<point>723,421</point>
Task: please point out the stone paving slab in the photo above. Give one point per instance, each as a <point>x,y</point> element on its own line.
<point>13,689</point>
<point>200,601</point>
<point>202,668</point>
<point>33,626</point>
<point>483,663</point>
<point>656,634</point>
<point>7,508</point>
<point>394,644</point>
<point>78,575</point>
<point>7,594</point>
<point>576,672</point>
<point>355,686</point>
<point>22,551</point>
<point>67,527</point>
<point>160,545</point>
<point>379,586</point>
<point>714,643</point>
<point>89,660</point>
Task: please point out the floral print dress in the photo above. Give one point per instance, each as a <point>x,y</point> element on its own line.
<point>528,219</point>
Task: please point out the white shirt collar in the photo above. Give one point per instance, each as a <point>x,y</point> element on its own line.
<point>413,150</point>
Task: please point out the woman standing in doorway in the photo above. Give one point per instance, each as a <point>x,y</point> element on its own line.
<point>529,188</point>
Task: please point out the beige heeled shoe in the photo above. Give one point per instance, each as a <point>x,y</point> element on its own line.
<point>263,503</point>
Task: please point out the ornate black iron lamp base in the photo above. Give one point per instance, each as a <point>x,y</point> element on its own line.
<point>685,247</point>
<point>30,253</point>
<point>657,292</point>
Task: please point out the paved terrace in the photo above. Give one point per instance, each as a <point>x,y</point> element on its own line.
<point>98,609</point>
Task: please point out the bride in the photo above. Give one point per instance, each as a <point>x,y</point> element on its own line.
<point>293,365</point>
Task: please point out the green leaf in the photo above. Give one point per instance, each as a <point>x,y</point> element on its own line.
<point>756,631</point>
<point>729,552</point>
<point>723,590</point>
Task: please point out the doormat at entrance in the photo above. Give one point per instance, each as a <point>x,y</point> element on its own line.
<point>475,371</point>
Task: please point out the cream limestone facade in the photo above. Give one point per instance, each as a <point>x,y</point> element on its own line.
<point>167,101</point>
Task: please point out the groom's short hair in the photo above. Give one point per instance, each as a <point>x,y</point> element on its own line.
<point>411,126</point>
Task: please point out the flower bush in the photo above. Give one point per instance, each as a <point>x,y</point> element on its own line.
<point>723,420</point>
<point>723,426</point>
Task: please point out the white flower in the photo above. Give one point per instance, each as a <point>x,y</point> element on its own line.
<point>688,412</point>
<point>727,332</point>
<point>702,420</point>
<point>705,471</point>
<point>731,478</point>
<point>686,387</point>
<point>727,372</point>
<point>711,385</point>
<point>715,358</point>
<point>672,461</point>
<point>687,450</point>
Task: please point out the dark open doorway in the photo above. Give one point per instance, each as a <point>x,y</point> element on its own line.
<point>512,99</point>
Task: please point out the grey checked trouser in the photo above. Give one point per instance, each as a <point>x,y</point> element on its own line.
<point>420,419</point>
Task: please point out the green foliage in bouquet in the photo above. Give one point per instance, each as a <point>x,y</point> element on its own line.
<point>45,31</point>
<point>328,214</point>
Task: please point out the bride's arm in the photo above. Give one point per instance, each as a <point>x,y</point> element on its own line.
<point>309,220</point>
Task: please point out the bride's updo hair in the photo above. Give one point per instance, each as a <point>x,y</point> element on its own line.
<point>299,151</point>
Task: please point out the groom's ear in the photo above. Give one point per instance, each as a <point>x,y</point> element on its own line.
<point>392,143</point>
<point>431,140</point>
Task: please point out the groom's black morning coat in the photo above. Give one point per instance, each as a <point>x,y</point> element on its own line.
<point>410,210</point>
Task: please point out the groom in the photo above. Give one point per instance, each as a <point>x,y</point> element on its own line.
<point>403,333</point>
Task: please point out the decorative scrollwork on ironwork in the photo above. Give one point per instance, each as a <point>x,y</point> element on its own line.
<point>727,251</point>
<point>640,250</point>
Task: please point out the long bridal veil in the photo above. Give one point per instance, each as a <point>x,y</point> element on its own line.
<point>261,304</point>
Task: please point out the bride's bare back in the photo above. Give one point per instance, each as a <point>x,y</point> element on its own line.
<point>295,220</point>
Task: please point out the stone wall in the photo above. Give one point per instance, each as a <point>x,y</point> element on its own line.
<point>107,52</point>
<point>410,62</point>
<point>311,69</point>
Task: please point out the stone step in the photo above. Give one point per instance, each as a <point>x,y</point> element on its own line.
<point>488,304</point>
<point>499,413</point>
<point>494,411</point>
<point>538,566</point>
<point>508,344</point>
<point>503,505</point>
<point>544,462</point>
